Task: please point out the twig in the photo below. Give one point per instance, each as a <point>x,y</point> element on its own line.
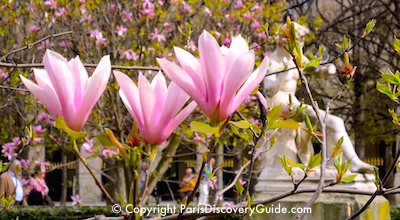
<point>29,46</point>
<point>146,184</point>
<point>379,190</point>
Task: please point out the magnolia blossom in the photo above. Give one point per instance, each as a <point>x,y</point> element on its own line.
<point>76,200</point>
<point>34,28</point>
<point>88,146</point>
<point>108,153</point>
<point>38,129</point>
<point>121,30</point>
<point>65,88</point>
<point>221,79</point>
<point>157,36</point>
<point>3,74</point>
<point>8,150</point>
<point>155,107</point>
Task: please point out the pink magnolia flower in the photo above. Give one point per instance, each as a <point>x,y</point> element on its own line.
<point>44,117</point>
<point>3,74</point>
<point>34,28</point>
<point>25,163</point>
<point>255,25</point>
<point>65,88</point>
<point>129,54</point>
<point>155,107</point>
<point>198,139</point>
<point>51,3</point>
<point>221,79</point>
<point>88,146</point>
<point>262,99</point>
<point>226,41</point>
<point>157,36</point>
<point>76,200</point>
<point>126,16</point>
<point>121,30</point>
<point>16,141</point>
<point>108,153</point>
<point>61,12</point>
<point>38,129</point>
<point>248,16</point>
<point>9,150</point>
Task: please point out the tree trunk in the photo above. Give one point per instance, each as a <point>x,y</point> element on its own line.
<point>64,179</point>
<point>163,164</point>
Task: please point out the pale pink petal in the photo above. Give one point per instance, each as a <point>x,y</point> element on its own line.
<point>236,49</point>
<point>175,100</point>
<point>192,66</point>
<point>262,99</point>
<point>148,102</point>
<point>251,83</point>
<point>42,78</point>
<point>159,86</point>
<point>130,96</point>
<point>45,95</point>
<point>80,76</point>
<point>182,79</point>
<point>96,85</point>
<point>212,67</point>
<point>238,73</point>
<point>61,78</point>
<point>179,118</point>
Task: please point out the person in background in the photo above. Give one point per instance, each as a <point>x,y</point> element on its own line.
<point>10,183</point>
<point>143,174</point>
<point>36,188</point>
<point>204,190</point>
<point>188,183</point>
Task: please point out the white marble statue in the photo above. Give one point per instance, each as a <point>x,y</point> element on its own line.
<point>277,89</point>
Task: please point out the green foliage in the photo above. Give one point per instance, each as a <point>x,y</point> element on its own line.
<point>273,121</point>
<point>345,43</point>
<point>207,129</point>
<point>74,135</point>
<point>341,168</point>
<point>369,27</point>
<point>56,213</point>
<point>239,187</point>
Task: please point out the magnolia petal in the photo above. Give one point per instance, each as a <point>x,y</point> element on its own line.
<point>176,99</point>
<point>192,66</point>
<point>181,78</point>
<point>251,83</point>
<point>96,85</point>
<point>238,47</point>
<point>80,76</point>
<point>61,78</point>
<point>42,78</point>
<point>212,67</point>
<point>159,86</point>
<point>179,118</point>
<point>237,75</point>
<point>45,95</point>
<point>262,99</point>
<point>129,94</point>
<point>148,102</point>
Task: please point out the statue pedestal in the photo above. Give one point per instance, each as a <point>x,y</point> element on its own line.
<point>329,206</point>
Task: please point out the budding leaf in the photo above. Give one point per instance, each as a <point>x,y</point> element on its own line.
<point>288,123</point>
<point>314,161</point>
<point>241,124</point>
<point>197,126</point>
<point>285,165</point>
<point>385,89</point>
<point>391,78</point>
<point>338,148</point>
<point>396,45</point>
<point>313,64</point>
<point>369,27</point>
<point>239,187</point>
<point>349,178</point>
<point>394,116</point>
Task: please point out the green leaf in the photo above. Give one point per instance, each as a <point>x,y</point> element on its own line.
<point>121,200</point>
<point>391,78</point>
<point>308,123</point>
<point>242,135</point>
<point>338,148</point>
<point>272,142</point>
<point>394,116</point>
<point>293,164</point>
<point>60,124</point>
<point>285,165</point>
<point>288,123</point>
<point>241,124</point>
<point>239,187</point>
<point>105,141</point>
<point>273,114</point>
<point>314,161</point>
<point>346,42</point>
<point>313,64</point>
<point>396,45</point>
<point>369,27</point>
<point>197,126</point>
<point>249,201</point>
<point>349,178</point>
<point>385,89</point>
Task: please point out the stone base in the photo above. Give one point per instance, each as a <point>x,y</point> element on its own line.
<point>329,206</point>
